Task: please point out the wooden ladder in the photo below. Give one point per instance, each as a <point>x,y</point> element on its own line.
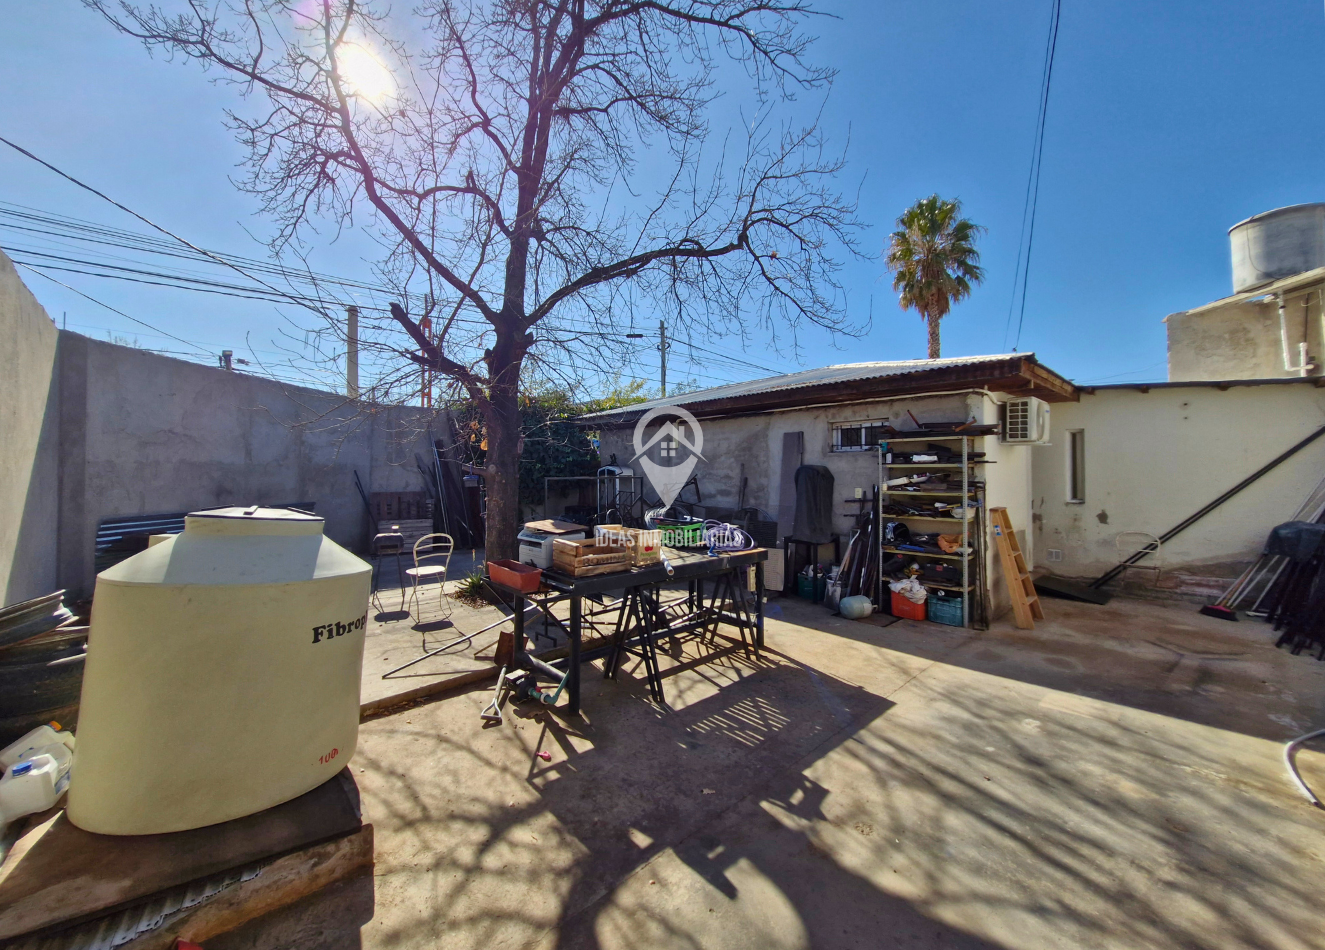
<point>1025,601</point>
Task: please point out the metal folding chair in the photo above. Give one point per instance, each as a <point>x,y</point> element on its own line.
<point>432,563</point>
<point>386,544</point>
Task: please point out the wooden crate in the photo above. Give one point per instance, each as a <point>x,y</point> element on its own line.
<point>644,544</point>
<point>587,558</point>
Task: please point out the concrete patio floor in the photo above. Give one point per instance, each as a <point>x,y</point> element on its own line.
<point>1110,780</point>
<point>403,627</point>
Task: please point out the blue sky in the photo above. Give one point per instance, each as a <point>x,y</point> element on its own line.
<point>1167,124</point>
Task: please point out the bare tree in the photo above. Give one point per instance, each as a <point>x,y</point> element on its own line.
<point>501,145</point>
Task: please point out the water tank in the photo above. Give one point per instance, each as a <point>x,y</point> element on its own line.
<point>1278,243</point>
<point>222,673</point>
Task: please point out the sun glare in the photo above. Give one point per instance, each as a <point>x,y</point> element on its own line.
<point>364,74</point>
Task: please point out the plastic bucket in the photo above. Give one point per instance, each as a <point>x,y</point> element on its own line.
<point>901,607</point>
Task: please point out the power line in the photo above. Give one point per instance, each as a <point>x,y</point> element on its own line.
<point>199,348</point>
<point>138,242</point>
<point>1033,179</point>
<point>143,323</point>
<point>32,221</point>
<point>150,223</point>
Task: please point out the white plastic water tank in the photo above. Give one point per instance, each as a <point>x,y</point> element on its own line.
<point>222,673</point>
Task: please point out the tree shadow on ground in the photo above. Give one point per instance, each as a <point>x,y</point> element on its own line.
<point>1160,658</point>
<point>774,785</point>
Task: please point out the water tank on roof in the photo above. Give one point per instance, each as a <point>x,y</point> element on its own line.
<point>222,673</point>
<point>1278,243</point>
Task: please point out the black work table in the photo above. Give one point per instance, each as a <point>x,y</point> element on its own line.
<point>694,567</point>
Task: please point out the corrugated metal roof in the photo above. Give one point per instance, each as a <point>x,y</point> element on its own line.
<point>842,372</point>
<point>1283,284</point>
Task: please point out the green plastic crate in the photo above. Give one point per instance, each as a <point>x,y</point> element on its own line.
<point>683,536</point>
<point>945,610</point>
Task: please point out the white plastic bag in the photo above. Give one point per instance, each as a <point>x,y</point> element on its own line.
<point>911,589</point>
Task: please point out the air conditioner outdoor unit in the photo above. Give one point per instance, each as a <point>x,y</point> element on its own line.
<point>1026,420</point>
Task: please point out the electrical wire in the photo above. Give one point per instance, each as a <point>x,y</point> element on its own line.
<point>142,323</point>
<point>316,305</point>
<point>721,537</point>
<point>1022,275</point>
<point>199,348</point>
<point>154,225</point>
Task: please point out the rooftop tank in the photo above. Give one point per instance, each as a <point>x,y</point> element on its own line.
<point>1277,244</point>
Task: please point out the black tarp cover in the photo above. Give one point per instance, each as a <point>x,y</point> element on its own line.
<point>814,504</point>
<point>1298,540</point>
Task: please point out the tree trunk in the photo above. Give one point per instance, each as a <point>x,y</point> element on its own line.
<point>933,322</point>
<point>503,472</point>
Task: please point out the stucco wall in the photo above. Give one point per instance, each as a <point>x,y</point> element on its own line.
<point>93,430</point>
<point>146,434</point>
<point>753,445</point>
<point>1153,458</point>
<point>1241,340</point>
<point>29,426</point>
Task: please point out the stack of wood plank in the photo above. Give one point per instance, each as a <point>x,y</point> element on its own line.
<point>588,557</point>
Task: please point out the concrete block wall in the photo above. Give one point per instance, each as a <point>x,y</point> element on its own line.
<point>95,430</point>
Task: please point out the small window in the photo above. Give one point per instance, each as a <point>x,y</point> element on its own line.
<point>1076,466</point>
<point>858,436</point>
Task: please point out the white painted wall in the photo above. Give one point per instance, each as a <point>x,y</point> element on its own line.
<point>753,444</point>
<point>1153,458</point>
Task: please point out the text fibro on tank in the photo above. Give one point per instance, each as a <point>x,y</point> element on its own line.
<point>329,631</point>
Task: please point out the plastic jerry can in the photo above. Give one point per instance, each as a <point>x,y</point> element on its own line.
<point>29,786</point>
<point>35,741</point>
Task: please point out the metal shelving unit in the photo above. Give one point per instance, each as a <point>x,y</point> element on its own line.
<point>967,494</point>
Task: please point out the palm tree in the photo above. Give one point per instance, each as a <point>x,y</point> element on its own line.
<point>933,259</point>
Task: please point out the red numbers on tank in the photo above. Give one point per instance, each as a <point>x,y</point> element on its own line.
<point>329,756</point>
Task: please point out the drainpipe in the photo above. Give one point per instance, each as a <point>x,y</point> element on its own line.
<point>1306,322</point>
<point>1301,368</point>
<point>352,349</point>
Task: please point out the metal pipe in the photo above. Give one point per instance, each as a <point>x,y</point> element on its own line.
<point>352,351</point>
<point>1300,369</point>
<point>1320,300</point>
<point>966,531</point>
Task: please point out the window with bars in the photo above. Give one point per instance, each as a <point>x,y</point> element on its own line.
<point>1076,466</point>
<point>858,436</point>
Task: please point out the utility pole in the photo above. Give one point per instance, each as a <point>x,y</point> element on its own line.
<point>352,351</point>
<point>662,352</point>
